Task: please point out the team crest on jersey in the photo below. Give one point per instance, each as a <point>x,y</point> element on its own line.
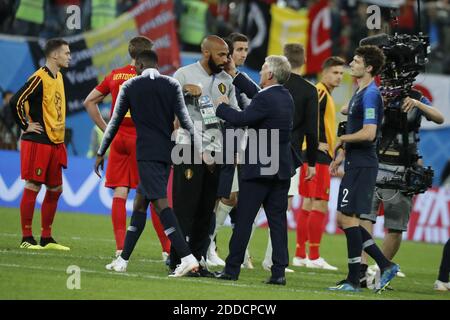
<point>58,105</point>
<point>38,172</point>
<point>222,88</point>
<point>188,173</point>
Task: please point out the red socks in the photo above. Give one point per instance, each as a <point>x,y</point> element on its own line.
<point>119,220</point>
<point>302,233</point>
<point>163,239</point>
<point>48,211</point>
<point>26,211</point>
<point>315,227</point>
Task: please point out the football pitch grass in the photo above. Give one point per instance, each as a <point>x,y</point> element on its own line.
<point>31,274</point>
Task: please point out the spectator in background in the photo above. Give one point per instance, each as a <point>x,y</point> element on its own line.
<point>125,5</point>
<point>407,17</point>
<point>103,12</point>
<point>293,4</point>
<point>6,15</point>
<point>219,17</point>
<point>7,117</point>
<point>29,17</point>
<point>358,28</point>
<point>194,20</point>
<point>336,28</point>
<point>9,132</point>
<point>443,21</point>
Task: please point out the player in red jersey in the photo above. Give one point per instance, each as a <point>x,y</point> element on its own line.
<point>122,173</point>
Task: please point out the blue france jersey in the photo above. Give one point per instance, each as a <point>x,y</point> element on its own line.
<point>366,107</point>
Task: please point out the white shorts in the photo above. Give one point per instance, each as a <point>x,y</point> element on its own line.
<point>295,180</point>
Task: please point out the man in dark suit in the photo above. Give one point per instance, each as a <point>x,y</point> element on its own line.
<point>269,120</point>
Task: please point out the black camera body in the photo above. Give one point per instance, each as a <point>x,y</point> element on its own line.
<point>406,56</point>
<point>413,180</point>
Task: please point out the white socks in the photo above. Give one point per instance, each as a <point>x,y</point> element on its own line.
<point>222,212</point>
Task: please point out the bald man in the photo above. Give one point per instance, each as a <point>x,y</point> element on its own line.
<point>195,183</point>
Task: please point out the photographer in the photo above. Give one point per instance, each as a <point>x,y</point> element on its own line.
<point>394,156</point>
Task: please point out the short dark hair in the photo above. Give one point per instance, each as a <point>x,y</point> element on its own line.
<point>148,58</point>
<point>235,37</point>
<point>230,46</point>
<point>372,56</point>
<point>295,53</point>
<point>54,44</point>
<point>333,62</point>
<point>139,44</point>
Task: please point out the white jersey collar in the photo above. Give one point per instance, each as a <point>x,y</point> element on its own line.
<point>273,85</point>
<point>150,72</point>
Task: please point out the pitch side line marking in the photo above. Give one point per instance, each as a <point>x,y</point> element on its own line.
<point>216,282</point>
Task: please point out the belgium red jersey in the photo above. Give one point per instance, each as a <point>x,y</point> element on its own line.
<point>111,85</point>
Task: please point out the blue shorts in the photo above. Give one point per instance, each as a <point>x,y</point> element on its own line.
<point>356,191</point>
<point>153,178</point>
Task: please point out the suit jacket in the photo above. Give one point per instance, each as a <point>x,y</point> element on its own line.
<point>270,109</point>
<point>243,83</point>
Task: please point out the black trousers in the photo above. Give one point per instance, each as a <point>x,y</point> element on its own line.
<point>272,194</point>
<point>194,198</point>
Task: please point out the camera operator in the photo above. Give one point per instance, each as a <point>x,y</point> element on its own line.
<point>397,204</point>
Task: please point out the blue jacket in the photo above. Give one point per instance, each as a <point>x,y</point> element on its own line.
<point>271,109</point>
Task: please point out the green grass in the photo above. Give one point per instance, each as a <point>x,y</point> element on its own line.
<point>27,274</point>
